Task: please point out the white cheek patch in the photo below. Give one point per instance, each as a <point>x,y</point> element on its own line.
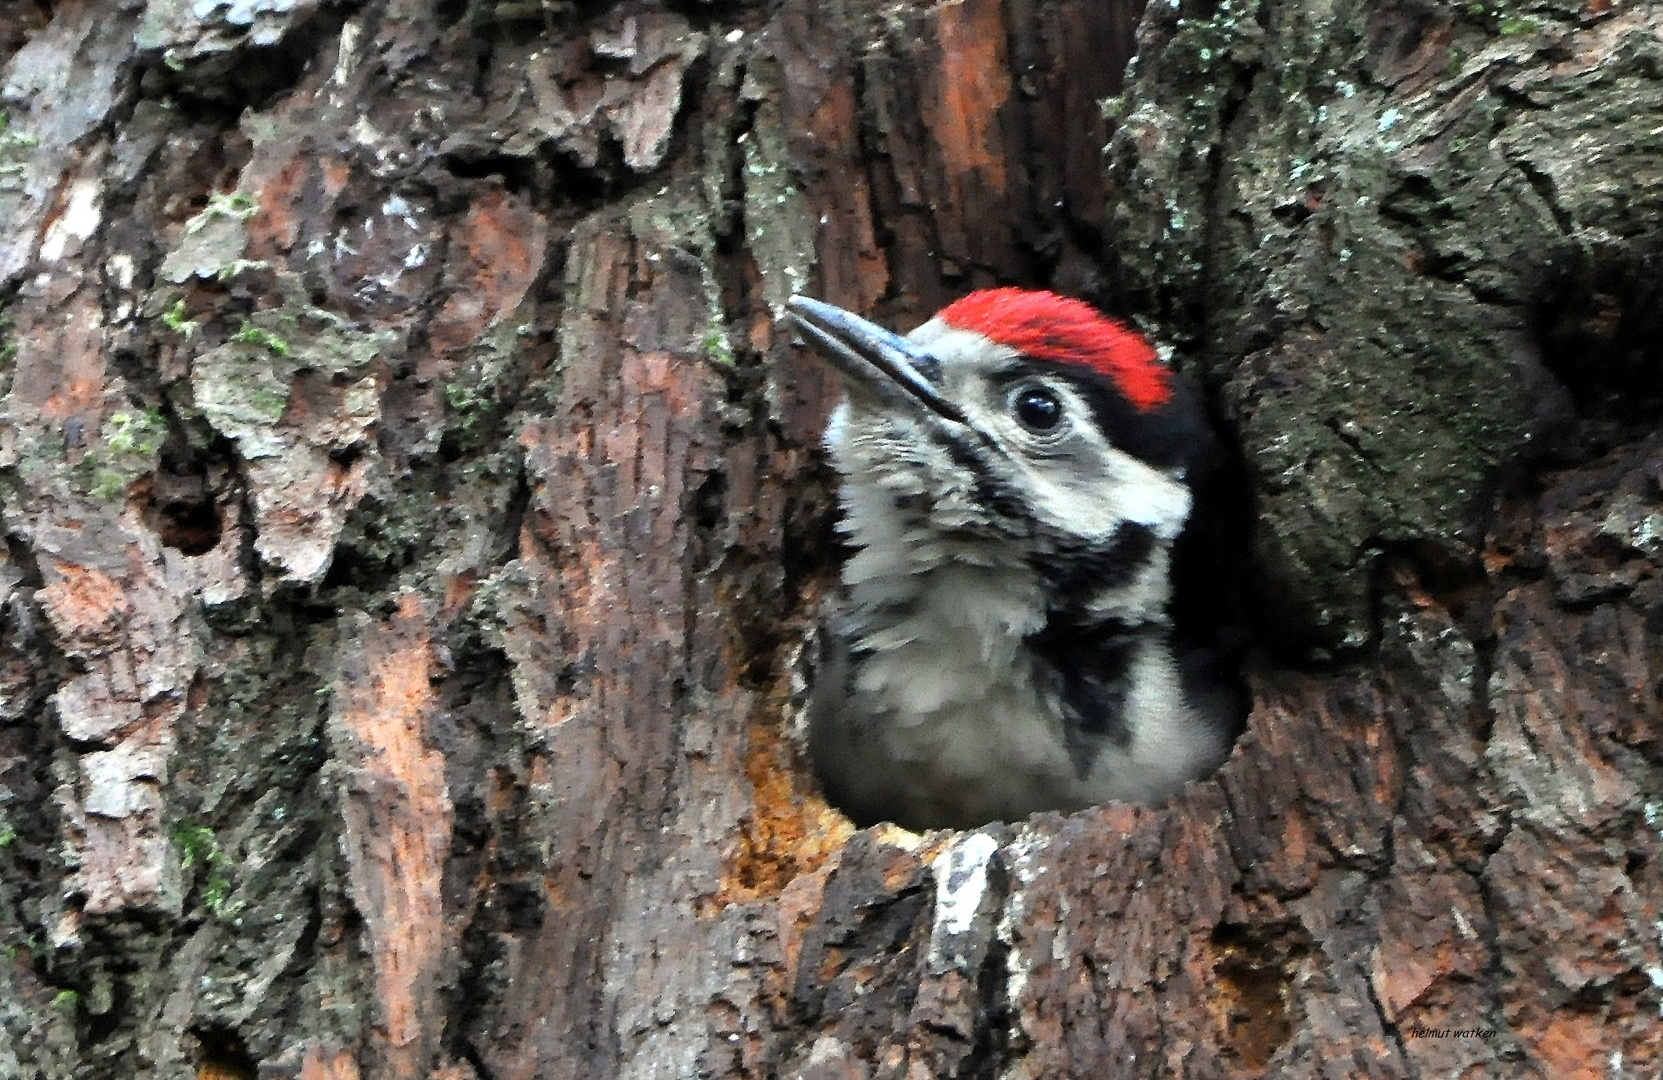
<point>1081,484</point>
<point>1094,503</point>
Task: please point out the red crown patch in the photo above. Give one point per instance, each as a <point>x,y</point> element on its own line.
<point>1045,326</point>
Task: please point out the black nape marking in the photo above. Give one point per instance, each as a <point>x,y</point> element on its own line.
<point>1085,658</point>
<point>1089,674</point>
<point>1174,434</point>
<point>1074,573</point>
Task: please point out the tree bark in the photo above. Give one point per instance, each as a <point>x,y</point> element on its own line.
<point>414,513</point>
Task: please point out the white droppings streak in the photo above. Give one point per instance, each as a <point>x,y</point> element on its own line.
<point>364,133</point>
<point>77,222</point>
<point>827,1049</point>
<point>345,57</point>
<point>120,268</point>
<point>396,207</point>
<point>960,883</point>
<point>1060,950</point>
<point>1025,870</point>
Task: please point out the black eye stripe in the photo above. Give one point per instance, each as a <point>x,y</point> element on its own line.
<point>1175,434</point>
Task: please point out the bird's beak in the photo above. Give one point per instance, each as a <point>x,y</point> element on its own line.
<point>873,356</point>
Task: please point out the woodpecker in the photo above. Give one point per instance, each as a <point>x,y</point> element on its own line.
<point>1015,473</point>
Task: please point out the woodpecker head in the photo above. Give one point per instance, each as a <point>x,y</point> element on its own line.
<point>1014,425</point>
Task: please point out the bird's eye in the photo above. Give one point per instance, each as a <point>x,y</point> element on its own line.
<point>1037,409</point>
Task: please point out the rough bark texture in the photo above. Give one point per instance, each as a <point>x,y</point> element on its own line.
<point>412,510</point>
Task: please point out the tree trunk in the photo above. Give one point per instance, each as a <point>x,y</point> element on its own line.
<point>413,512</point>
